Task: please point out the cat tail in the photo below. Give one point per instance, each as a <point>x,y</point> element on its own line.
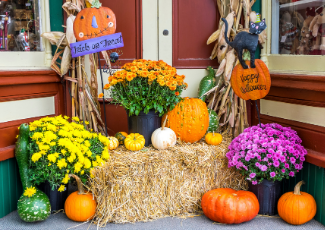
<point>226,30</point>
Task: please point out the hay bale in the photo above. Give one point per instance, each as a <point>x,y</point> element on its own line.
<point>151,184</point>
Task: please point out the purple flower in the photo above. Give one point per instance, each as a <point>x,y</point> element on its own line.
<point>282,159</point>
<point>291,174</point>
<point>252,175</point>
<point>263,168</point>
<point>286,166</point>
<point>272,174</point>
<point>276,164</point>
<point>302,158</point>
<point>292,160</point>
<point>254,182</point>
<point>257,164</point>
<point>283,170</point>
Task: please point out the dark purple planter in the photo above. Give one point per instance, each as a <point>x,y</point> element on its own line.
<point>145,124</point>
<point>268,193</point>
<point>57,199</point>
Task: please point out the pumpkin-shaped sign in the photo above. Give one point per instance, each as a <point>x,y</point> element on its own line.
<point>94,22</point>
<point>251,83</point>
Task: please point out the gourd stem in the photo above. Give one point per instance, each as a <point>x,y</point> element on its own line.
<point>79,183</point>
<point>163,126</point>
<point>296,190</point>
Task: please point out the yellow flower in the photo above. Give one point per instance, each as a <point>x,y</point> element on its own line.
<point>61,163</point>
<point>52,143</point>
<point>36,156</point>
<point>62,188</point>
<point>30,191</point>
<point>91,173</point>
<point>66,117</point>
<point>49,164</point>
<point>82,172</point>
<point>87,163</point>
<point>66,179</point>
<point>63,151</point>
<point>105,154</point>
<point>75,118</point>
<point>52,158</point>
<point>43,147</point>
<point>77,167</point>
<point>37,136</point>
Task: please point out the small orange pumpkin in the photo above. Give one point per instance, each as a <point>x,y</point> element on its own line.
<point>213,138</point>
<point>80,205</point>
<point>251,83</point>
<point>297,207</point>
<point>189,119</point>
<point>93,22</point>
<point>228,206</point>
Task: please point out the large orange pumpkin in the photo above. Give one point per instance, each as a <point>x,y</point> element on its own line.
<point>226,205</point>
<point>189,119</point>
<point>297,207</point>
<point>93,22</point>
<point>251,83</point>
<point>80,205</point>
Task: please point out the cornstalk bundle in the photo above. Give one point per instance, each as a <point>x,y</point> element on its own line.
<point>231,110</point>
<point>151,184</point>
<point>84,93</point>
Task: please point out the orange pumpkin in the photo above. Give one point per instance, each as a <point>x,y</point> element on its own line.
<point>189,119</point>
<point>226,205</point>
<point>251,83</point>
<point>93,22</point>
<point>213,138</point>
<point>80,205</point>
<point>297,207</point>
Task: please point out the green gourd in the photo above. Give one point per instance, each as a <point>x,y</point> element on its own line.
<point>213,121</point>
<point>207,83</point>
<point>37,207</point>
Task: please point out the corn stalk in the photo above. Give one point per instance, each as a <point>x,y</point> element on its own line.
<point>84,93</point>
<point>231,109</point>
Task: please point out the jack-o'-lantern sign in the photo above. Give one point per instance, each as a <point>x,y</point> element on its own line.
<point>251,83</point>
<point>94,22</point>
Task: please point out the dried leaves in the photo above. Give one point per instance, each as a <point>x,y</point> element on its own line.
<point>151,184</point>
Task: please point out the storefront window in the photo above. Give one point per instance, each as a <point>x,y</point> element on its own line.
<point>20,26</point>
<point>298,27</point>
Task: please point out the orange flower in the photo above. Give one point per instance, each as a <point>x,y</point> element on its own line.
<point>169,83</point>
<point>129,76</point>
<point>134,69</point>
<point>172,88</point>
<point>110,78</point>
<point>186,85</point>
<point>176,93</point>
<point>145,73</point>
<point>101,95</point>
<point>152,77</point>
<point>114,81</point>
<point>107,86</point>
<point>161,83</point>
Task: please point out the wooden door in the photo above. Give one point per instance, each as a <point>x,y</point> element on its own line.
<point>189,23</point>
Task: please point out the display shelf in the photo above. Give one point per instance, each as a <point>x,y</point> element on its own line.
<point>299,5</point>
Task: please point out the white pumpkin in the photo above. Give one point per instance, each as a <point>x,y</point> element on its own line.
<point>163,138</point>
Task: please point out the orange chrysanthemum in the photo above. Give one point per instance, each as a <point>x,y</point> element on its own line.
<point>107,86</point>
<point>176,93</point>
<point>101,95</point>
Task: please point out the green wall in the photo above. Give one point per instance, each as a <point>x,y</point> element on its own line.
<point>10,186</point>
<point>314,178</point>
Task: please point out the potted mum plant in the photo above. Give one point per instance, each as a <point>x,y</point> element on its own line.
<point>146,89</point>
<point>57,148</point>
<point>265,155</point>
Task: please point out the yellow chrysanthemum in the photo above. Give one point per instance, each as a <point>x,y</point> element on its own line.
<point>75,119</point>
<point>51,158</point>
<point>62,188</point>
<point>36,156</point>
<point>61,163</point>
<point>66,179</point>
<point>37,136</point>
<point>30,191</point>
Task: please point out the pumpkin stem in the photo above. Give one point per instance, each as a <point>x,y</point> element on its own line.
<point>163,126</point>
<point>296,190</point>
<point>79,183</point>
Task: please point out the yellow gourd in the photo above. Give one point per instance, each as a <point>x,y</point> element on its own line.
<point>213,138</point>
<point>113,143</point>
<point>134,142</point>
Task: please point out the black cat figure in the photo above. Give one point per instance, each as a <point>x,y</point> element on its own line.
<point>244,40</point>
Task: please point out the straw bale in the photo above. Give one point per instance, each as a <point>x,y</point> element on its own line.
<point>151,184</point>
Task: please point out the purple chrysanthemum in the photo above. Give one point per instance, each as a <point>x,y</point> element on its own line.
<point>252,175</point>
<point>272,174</point>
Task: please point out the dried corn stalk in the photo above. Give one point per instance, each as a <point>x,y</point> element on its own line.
<point>84,94</point>
<point>231,110</point>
